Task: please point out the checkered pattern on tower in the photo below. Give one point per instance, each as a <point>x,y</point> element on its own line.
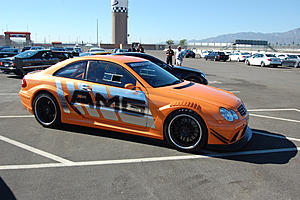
<point>119,9</point>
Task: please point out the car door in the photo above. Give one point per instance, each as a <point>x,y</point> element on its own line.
<point>116,97</point>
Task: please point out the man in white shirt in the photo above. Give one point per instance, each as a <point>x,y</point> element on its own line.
<point>179,56</point>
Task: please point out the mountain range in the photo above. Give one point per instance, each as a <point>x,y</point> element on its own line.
<point>289,37</point>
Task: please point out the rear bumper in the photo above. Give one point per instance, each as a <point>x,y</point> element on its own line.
<point>234,146</point>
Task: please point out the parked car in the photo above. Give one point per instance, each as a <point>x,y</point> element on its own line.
<point>94,53</point>
<point>189,53</point>
<point>37,48</point>
<point>57,49</point>
<point>135,96</point>
<point>8,52</point>
<point>282,56</point>
<point>186,73</point>
<point>96,49</point>
<point>263,60</point>
<point>291,61</point>
<point>238,56</point>
<point>216,56</point>
<point>32,60</point>
<point>117,50</point>
<point>204,53</point>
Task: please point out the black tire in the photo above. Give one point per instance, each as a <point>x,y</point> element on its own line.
<point>262,64</point>
<point>46,110</point>
<point>185,130</point>
<point>206,58</point>
<point>215,59</point>
<point>238,59</point>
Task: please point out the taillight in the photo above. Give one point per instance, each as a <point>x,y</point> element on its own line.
<point>14,64</point>
<point>269,59</point>
<point>24,84</point>
<point>1,63</point>
<point>243,56</point>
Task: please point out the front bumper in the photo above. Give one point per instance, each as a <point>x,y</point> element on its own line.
<point>234,146</point>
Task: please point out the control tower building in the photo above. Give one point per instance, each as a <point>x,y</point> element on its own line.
<point>119,9</point>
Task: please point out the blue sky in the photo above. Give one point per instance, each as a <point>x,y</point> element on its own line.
<point>149,21</point>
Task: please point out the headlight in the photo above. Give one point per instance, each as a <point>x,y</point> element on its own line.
<point>226,114</point>
<point>234,115</point>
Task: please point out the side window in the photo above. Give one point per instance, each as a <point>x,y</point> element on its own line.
<point>74,70</point>
<point>109,74</point>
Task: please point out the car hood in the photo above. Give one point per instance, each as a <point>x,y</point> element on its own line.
<point>187,68</point>
<point>189,90</point>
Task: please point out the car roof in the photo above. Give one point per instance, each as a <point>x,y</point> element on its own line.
<point>110,58</point>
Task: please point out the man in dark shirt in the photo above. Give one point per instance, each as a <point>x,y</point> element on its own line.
<point>132,49</point>
<point>140,48</point>
<point>169,53</point>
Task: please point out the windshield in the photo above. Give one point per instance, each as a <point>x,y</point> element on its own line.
<point>153,74</point>
<point>245,54</point>
<point>26,54</point>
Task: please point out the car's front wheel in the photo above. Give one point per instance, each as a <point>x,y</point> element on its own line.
<point>185,130</point>
<point>46,110</point>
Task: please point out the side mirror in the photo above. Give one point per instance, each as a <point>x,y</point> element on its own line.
<point>129,86</point>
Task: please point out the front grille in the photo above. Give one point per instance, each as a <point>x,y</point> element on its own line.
<point>242,110</point>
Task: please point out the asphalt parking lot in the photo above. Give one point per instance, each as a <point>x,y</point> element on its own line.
<point>83,163</point>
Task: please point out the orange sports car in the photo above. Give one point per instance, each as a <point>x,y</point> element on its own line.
<point>135,96</point>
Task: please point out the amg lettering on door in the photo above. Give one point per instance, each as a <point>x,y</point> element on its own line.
<point>126,104</point>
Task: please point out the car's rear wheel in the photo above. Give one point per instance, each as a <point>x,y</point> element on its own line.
<point>46,110</point>
<point>262,64</point>
<point>247,62</point>
<point>238,59</point>
<point>185,130</point>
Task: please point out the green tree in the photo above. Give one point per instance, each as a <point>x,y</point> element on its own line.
<point>182,42</point>
<point>170,42</point>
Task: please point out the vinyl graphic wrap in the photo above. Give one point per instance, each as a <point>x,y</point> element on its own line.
<point>131,105</point>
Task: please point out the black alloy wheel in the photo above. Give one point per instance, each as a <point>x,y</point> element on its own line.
<point>46,110</point>
<point>185,130</point>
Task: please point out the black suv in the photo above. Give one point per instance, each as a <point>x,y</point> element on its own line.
<point>186,73</point>
<point>32,60</point>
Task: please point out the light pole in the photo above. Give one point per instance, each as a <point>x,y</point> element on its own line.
<point>97,34</point>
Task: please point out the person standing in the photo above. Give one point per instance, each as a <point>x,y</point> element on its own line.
<point>170,54</point>
<point>132,49</point>
<point>179,56</point>
<point>140,48</point>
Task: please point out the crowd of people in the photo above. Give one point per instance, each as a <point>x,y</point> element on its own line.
<point>170,53</point>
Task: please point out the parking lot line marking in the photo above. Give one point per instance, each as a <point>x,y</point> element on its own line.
<point>276,109</point>
<point>37,151</point>
<point>276,118</point>
<point>4,94</point>
<point>16,116</point>
<point>234,91</point>
<point>145,160</point>
<point>276,136</point>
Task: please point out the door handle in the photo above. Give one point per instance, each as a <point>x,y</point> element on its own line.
<point>85,87</point>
